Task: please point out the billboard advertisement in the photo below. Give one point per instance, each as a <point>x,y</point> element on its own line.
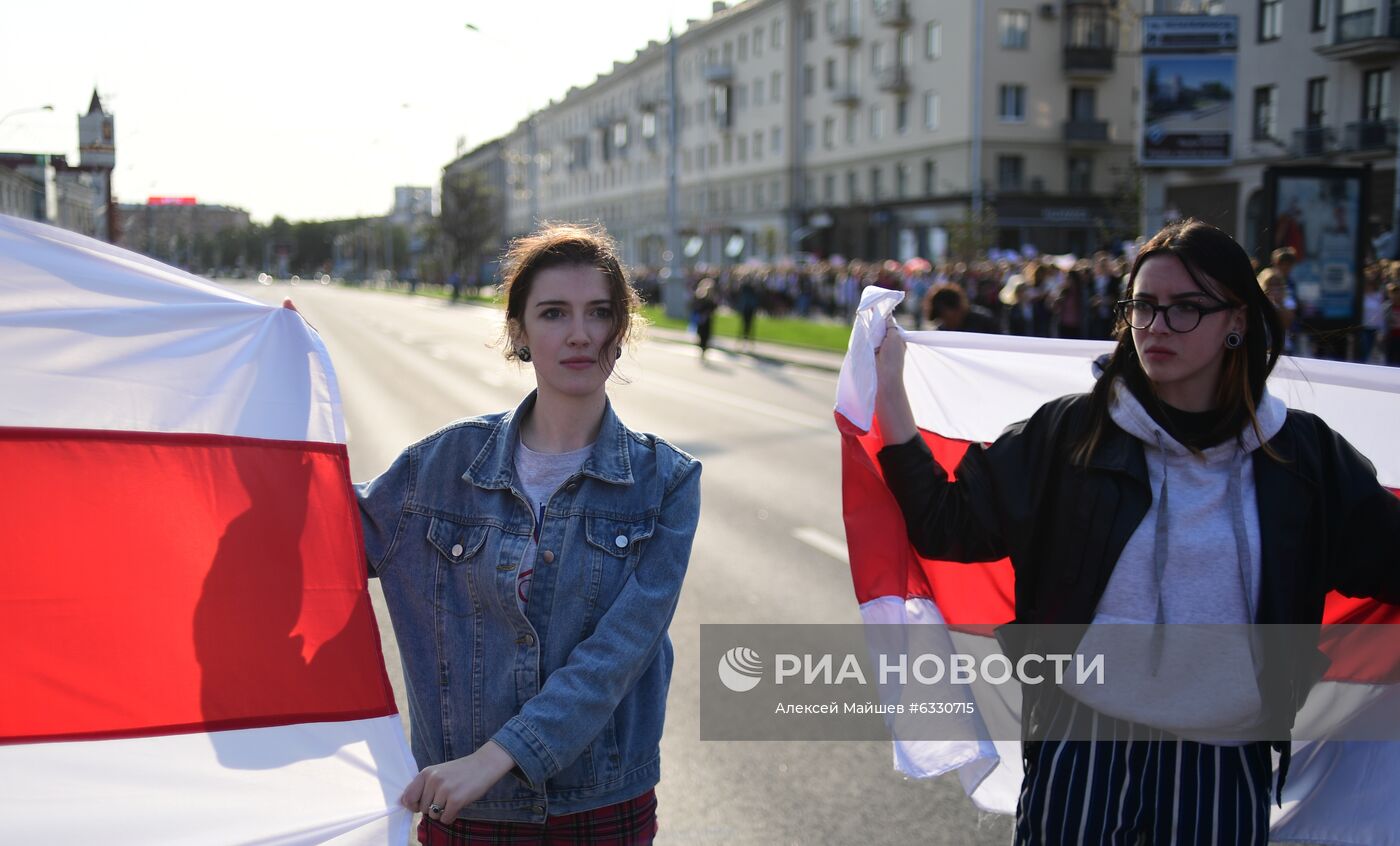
<point>1318,211</point>
<point>1189,103</point>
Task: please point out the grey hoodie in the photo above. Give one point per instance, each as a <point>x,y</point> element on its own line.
<point>1198,564</point>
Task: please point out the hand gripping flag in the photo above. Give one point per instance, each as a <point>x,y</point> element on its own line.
<point>188,646</point>
<point>966,388</point>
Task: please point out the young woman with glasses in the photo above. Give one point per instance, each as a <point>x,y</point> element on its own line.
<point>1179,491</point>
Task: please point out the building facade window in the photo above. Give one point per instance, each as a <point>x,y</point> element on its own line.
<point>901,115</point>
<point>930,177</point>
<point>1316,114</point>
<point>1321,10</point>
<point>775,87</point>
<point>1270,19</point>
<point>852,188</point>
<point>1080,175</point>
<point>776,135</point>
<point>809,24</point>
<point>904,48</point>
<point>758,92</point>
<point>829,132</point>
<point>901,180</point>
<point>809,136</point>
<point>829,188</point>
<point>1265,112</point>
<point>851,127</point>
<point>877,189</point>
<point>1010,173</point>
<point>1011,103</point>
<point>877,57</point>
<point>1375,95</point>
<point>829,74</point>
<point>744,47</point>
<point>1014,28</point>
<point>808,80</point>
<point>933,40</point>
<point>877,123</point>
<point>931,106</point>
<point>1083,104</point>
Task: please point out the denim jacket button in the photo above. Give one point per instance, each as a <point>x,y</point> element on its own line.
<point>456,550</point>
<point>549,556</point>
<point>571,487</point>
<point>527,639</point>
<point>621,541</point>
<point>537,810</point>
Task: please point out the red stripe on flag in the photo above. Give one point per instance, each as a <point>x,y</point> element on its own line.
<point>161,583</point>
<point>882,561</point>
<point>884,564</point>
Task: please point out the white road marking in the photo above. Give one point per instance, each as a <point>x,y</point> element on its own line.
<point>822,542</point>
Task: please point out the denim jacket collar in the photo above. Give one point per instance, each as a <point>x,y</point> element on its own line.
<point>494,466</point>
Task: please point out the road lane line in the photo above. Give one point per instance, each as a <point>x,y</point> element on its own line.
<point>822,542</point>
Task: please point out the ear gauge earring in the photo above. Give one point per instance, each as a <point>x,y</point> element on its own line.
<point>619,352</point>
<point>1233,340</point>
<point>523,353</point>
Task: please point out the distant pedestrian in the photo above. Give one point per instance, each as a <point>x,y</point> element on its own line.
<point>702,310</point>
<point>747,304</point>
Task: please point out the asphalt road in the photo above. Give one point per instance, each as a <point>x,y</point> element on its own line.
<point>769,549</point>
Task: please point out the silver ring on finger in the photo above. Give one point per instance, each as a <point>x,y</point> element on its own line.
<point>434,810</point>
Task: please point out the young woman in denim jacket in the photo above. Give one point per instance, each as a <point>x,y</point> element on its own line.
<point>532,561</point>
<point>1178,492</point>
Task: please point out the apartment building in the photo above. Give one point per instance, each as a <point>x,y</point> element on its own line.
<point>851,127</point>
<point>1314,87</point>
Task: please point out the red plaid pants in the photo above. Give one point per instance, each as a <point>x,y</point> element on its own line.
<point>629,823</point>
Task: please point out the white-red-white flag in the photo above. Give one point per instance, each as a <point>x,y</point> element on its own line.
<point>189,651</point>
<point>966,388</point>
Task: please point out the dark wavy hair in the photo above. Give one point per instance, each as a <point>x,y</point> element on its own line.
<point>1220,267</point>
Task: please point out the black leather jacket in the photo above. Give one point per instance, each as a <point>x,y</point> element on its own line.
<point>1325,524</point>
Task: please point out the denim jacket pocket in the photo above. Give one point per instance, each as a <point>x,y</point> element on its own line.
<point>458,545</point>
<point>615,546</point>
<point>620,539</point>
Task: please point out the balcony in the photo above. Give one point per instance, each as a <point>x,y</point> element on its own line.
<point>894,79</point>
<point>1365,35</point>
<point>721,73</point>
<point>1313,142</point>
<point>1370,136</point>
<point>846,30</point>
<point>1090,39</point>
<point>893,13</point>
<point>1086,131</point>
<point>846,94</point>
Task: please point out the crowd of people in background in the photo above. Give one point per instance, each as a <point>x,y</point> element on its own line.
<point>1044,296</point>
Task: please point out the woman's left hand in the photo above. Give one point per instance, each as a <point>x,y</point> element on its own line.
<point>454,785</point>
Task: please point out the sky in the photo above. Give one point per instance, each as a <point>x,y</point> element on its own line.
<point>301,108</point>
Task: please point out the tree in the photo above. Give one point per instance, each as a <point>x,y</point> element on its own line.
<point>470,223</point>
<point>970,237</point>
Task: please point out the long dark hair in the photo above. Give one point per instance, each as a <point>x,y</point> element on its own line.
<point>1207,254</point>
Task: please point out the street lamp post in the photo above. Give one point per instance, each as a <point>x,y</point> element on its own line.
<point>47,107</point>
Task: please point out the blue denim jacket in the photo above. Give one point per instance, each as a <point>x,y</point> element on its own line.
<point>573,687</point>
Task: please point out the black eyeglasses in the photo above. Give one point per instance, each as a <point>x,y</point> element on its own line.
<point>1180,317</point>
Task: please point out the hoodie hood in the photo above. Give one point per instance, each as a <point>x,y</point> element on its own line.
<point>1131,417</point>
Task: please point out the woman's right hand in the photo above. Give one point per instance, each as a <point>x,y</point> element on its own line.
<point>892,411</point>
<point>889,355</point>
